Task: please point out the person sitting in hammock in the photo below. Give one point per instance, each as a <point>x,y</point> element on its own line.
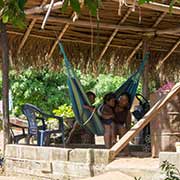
<point>122,120</point>
<point>84,136</point>
<point>107,116</point>
<point>91,96</point>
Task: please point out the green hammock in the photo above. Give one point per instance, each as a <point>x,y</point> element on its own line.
<point>78,97</point>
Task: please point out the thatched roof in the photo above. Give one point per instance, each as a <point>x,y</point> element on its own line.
<point>86,40</point>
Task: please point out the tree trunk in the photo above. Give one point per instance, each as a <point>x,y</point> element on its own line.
<point>5,84</point>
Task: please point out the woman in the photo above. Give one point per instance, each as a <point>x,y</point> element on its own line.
<point>107,116</point>
<point>122,120</point>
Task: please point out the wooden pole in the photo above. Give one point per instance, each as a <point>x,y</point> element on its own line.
<point>44,8</point>
<point>145,78</point>
<point>5,84</point>
<point>26,35</point>
<point>47,14</point>
<point>119,146</point>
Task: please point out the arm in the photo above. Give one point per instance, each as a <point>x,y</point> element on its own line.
<point>107,113</point>
<point>90,108</point>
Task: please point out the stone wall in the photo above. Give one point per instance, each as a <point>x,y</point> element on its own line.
<point>54,162</point>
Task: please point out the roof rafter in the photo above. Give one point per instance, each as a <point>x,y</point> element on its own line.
<point>168,54</point>
<point>26,35</point>
<point>60,37</point>
<point>114,34</point>
<point>159,19</point>
<point>28,31</point>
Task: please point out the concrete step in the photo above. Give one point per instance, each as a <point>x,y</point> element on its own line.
<point>146,168</point>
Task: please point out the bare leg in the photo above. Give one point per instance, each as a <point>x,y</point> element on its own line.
<point>114,133</point>
<point>108,135</point>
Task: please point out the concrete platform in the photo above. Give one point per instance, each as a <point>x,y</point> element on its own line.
<point>146,168</point>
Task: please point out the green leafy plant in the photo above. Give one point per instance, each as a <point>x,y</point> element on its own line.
<point>64,110</point>
<point>12,11</point>
<point>170,171</point>
<point>139,178</point>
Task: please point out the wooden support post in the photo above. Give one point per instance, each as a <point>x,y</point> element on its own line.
<point>123,142</point>
<point>145,77</point>
<point>5,84</point>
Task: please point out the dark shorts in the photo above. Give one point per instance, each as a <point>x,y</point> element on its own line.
<point>106,121</point>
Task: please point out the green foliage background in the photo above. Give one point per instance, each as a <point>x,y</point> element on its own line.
<point>48,89</point>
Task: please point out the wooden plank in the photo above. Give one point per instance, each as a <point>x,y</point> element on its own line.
<point>114,34</point>
<point>123,142</point>
<point>170,52</point>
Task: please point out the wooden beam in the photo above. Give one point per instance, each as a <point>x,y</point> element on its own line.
<point>175,30</point>
<point>83,23</point>
<point>40,9</point>
<point>123,142</point>
<point>26,35</point>
<point>145,76</point>
<point>47,14</point>
<point>114,34</point>
<point>82,42</point>
<point>159,19</point>
<point>170,52</point>
<point>155,6</point>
